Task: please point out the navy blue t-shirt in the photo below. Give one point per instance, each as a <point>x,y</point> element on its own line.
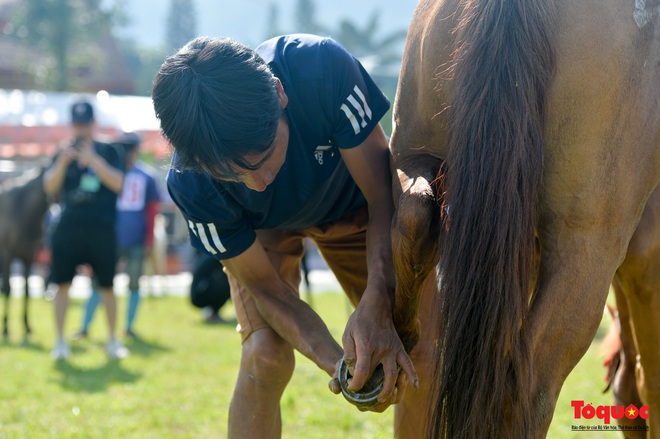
<point>333,103</point>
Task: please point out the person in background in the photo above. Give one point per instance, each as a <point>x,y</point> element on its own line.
<point>209,289</point>
<point>86,175</point>
<point>136,209</point>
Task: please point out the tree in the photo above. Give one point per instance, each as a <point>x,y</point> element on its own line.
<point>181,23</point>
<point>55,26</point>
<point>364,42</point>
<point>144,63</point>
<point>380,55</point>
<point>272,25</point>
<point>306,18</point>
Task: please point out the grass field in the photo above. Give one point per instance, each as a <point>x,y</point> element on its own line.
<point>178,381</point>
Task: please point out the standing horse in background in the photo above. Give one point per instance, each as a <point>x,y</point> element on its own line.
<point>526,142</point>
<point>23,204</point>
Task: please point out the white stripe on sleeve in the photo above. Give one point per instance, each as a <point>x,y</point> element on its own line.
<point>364,101</point>
<point>351,118</point>
<point>215,244</point>
<point>216,238</point>
<point>358,107</point>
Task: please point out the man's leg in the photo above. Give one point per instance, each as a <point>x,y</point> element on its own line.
<point>114,348</point>
<point>267,361</point>
<point>103,259</point>
<point>134,268</point>
<point>267,364</point>
<point>61,350</point>
<point>63,270</point>
<point>90,309</point>
<point>110,303</point>
<point>61,305</point>
<point>343,245</point>
<point>131,312</point>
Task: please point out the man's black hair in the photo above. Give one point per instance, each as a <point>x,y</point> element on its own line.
<point>217,103</point>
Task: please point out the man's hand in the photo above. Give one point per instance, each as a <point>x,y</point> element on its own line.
<point>370,339</point>
<point>379,407</point>
<point>85,154</point>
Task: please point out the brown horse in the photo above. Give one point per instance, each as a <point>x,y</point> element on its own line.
<point>23,204</point>
<point>636,286</point>
<point>522,127</point>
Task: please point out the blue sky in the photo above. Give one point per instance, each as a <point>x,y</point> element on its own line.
<point>245,20</point>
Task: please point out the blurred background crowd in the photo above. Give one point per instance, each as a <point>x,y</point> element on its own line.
<point>55,52</point>
<point>106,52</point>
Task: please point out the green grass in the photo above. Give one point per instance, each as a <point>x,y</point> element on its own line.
<point>177,383</point>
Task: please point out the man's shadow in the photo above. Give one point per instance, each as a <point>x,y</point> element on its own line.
<point>98,379</point>
<point>26,343</point>
<point>94,379</point>
<point>145,347</point>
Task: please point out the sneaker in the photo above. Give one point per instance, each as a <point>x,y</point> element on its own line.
<point>61,351</point>
<point>130,334</point>
<point>116,350</point>
<point>212,316</point>
<point>80,335</point>
<point>208,312</point>
<point>215,319</point>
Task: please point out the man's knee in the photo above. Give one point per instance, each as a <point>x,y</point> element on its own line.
<point>267,356</point>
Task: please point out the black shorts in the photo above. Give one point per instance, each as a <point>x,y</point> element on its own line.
<point>210,286</point>
<point>72,247</point>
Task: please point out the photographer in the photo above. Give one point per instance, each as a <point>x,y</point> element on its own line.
<point>86,176</point>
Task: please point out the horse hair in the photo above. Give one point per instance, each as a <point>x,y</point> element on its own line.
<point>490,181</point>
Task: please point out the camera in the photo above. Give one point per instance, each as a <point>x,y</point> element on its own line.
<point>78,143</point>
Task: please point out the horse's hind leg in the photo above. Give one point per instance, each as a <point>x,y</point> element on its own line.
<point>415,240</point>
<point>411,415</point>
<point>26,301</point>
<point>639,277</point>
<point>416,232</point>
<point>645,311</point>
<point>6,292</point>
<point>624,386</point>
<point>5,329</point>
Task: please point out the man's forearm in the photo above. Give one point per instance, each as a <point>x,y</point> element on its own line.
<point>111,177</point>
<point>54,177</point>
<point>297,323</point>
<point>379,251</point>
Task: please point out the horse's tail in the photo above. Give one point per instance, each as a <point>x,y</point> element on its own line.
<point>490,183</point>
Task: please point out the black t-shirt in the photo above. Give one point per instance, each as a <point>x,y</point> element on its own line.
<point>86,201</point>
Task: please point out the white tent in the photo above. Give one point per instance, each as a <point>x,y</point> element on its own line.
<point>38,108</point>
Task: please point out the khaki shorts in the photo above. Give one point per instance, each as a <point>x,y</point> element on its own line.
<point>342,244</point>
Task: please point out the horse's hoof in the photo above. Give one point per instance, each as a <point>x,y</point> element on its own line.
<point>367,396</point>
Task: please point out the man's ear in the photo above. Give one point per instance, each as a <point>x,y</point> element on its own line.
<point>284,99</point>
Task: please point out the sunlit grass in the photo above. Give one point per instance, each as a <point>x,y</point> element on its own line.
<point>177,383</point>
